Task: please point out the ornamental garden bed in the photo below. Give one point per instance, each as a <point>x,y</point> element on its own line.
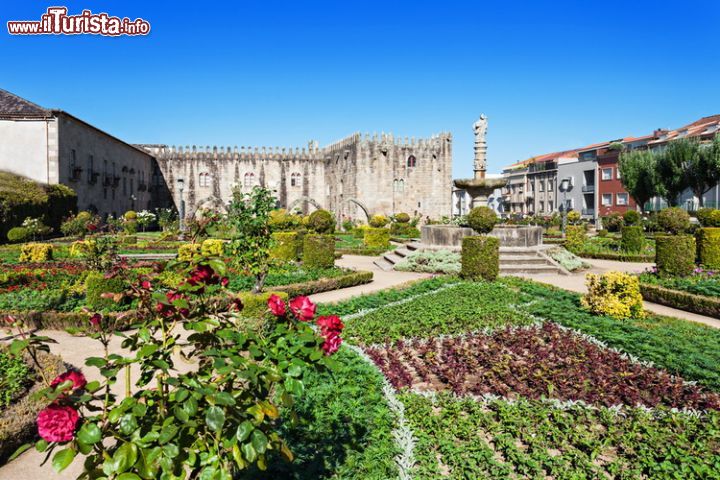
<point>698,293</point>
<point>608,248</point>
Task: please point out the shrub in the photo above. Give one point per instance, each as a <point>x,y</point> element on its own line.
<point>285,248</point>
<point>675,254</point>
<point>212,247</point>
<point>188,252</point>
<point>566,259</point>
<point>704,217</point>
<point>402,218</point>
<point>574,217</point>
<point>348,225</point>
<point>404,230</point>
<point>321,221</point>
<point>613,222</point>
<point>632,217</point>
<point>613,294</point>
<point>602,233</point>
<point>76,225</point>
<point>377,238</point>
<point>96,284</point>
<point>359,231</point>
<point>130,227</point>
<point>431,261</point>
<point>480,257</point>
<point>319,251</point>
<point>575,237</point>
<point>130,216</point>
<point>482,219</point>
<point>14,376</point>
<point>127,240</point>
<point>378,221</point>
<point>255,305</point>
<point>36,227</point>
<point>36,252</point>
<point>281,220</point>
<point>708,246</point>
<point>673,220</point>
<point>633,239</point>
<point>320,285</point>
<point>18,235</point>
<point>690,302</point>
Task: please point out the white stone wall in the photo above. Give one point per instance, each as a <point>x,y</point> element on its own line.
<point>24,148</point>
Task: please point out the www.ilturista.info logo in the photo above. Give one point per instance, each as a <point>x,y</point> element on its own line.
<point>57,22</point>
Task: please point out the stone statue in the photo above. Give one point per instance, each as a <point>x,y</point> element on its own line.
<point>480,128</point>
<point>480,163</point>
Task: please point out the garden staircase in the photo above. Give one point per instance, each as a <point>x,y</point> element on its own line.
<point>513,260</point>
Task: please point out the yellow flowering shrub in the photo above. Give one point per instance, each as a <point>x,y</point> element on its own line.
<point>189,251</point>
<point>81,247</point>
<point>36,252</point>
<point>212,247</point>
<point>614,294</point>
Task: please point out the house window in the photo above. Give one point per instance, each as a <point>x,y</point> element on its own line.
<point>124,185</point>
<point>295,179</point>
<point>91,168</point>
<point>542,206</point>
<point>249,179</point>
<point>411,161</point>
<point>550,206</point>
<point>541,186</point>
<point>621,199</point>
<point>607,199</point>
<point>617,173</point>
<point>607,173</point>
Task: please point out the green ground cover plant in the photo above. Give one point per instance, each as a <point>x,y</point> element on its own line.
<point>438,261</point>
<point>15,376</point>
<point>611,248</point>
<point>701,282</point>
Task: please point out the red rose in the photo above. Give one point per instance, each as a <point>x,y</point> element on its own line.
<point>96,320</point>
<point>330,323</point>
<point>91,227</point>
<point>203,274</point>
<point>77,378</point>
<point>168,309</point>
<point>303,308</point>
<point>332,343</point>
<point>146,285</point>
<point>57,423</point>
<point>224,281</point>
<point>276,305</point>
<point>236,304</point>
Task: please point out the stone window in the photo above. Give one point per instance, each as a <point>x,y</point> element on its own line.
<point>412,161</point>
<point>204,179</point>
<point>249,180</point>
<point>295,180</point>
<point>91,169</point>
<point>398,185</point>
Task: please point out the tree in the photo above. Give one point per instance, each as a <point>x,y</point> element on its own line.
<point>639,176</point>
<point>249,219</point>
<point>672,166</point>
<point>703,168</point>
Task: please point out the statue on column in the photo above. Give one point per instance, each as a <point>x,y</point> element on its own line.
<point>480,129</point>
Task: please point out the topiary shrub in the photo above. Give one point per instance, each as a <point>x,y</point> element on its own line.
<point>18,235</point>
<point>282,221</point>
<point>613,222</point>
<point>212,247</point>
<point>675,255</point>
<point>76,225</point>
<point>359,231</point>
<point>613,294</point>
<point>36,252</point>
<point>575,237</point>
<point>188,252</point>
<point>602,233</point>
<point>482,219</point>
<point>377,238</point>
<point>708,246</point>
<point>321,221</point>
<point>378,221</point>
<point>130,216</point>
<point>632,217</point>
<point>96,284</point>
<point>673,220</point>
<point>319,251</point>
<point>480,258</point>
<point>285,246</point>
<point>404,230</point>
<point>402,218</point>
<point>633,239</point>
<point>704,217</point>
<point>574,217</point>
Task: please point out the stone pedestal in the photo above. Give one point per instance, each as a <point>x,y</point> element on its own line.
<point>512,236</point>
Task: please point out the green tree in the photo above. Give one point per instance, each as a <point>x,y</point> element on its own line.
<point>702,168</point>
<point>639,175</point>
<point>672,168</point>
<point>249,219</point>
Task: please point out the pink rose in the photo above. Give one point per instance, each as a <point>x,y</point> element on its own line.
<point>57,423</point>
<point>146,285</point>
<point>303,308</point>
<point>330,323</point>
<point>77,378</point>
<point>276,305</point>
<point>332,343</point>
<point>96,320</point>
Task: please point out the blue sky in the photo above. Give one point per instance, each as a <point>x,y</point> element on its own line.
<point>549,75</point>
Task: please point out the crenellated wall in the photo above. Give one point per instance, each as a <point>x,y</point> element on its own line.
<point>356,174</point>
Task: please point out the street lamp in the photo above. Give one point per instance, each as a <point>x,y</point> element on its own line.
<point>181,206</point>
<point>564,187</point>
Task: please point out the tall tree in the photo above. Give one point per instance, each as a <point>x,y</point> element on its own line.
<point>639,176</point>
<point>672,165</point>
<point>702,167</point>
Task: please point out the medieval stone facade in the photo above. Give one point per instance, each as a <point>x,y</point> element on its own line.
<point>355,177</point>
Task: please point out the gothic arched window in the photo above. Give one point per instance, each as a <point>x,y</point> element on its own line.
<point>249,180</point>
<point>295,179</point>
<point>204,179</point>
<point>412,161</point>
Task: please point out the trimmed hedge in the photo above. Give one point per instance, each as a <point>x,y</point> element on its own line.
<point>212,247</point>
<point>367,251</point>
<point>675,254</point>
<point>285,248</point>
<point>352,279</point>
<point>480,257</point>
<point>482,219</point>
<point>18,421</point>
<point>96,284</point>
<point>377,238</point>
<point>618,257</point>
<point>575,237</point>
<point>689,302</point>
<point>633,239</point>
<point>18,235</point>
<point>708,246</point>
<point>321,221</point>
<point>319,251</point>
<point>404,229</point>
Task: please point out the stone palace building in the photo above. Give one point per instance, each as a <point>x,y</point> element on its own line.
<point>355,177</point>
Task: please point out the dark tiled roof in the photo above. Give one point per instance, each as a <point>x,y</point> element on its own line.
<point>13,106</point>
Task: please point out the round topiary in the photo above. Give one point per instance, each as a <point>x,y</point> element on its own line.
<point>130,215</point>
<point>673,220</point>
<point>482,219</point>
<point>613,222</point>
<point>708,246</point>
<point>321,221</point>
<point>18,235</point>
<point>675,255</point>
<point>632,217</point>
<point>378,221</point>
<point>402,218</point>
<point>633,239</point>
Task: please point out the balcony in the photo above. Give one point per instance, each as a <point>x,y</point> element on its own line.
<point>75,174</point>
<point>542,167</point>
<point>588,188</point>
<point>589,212</point>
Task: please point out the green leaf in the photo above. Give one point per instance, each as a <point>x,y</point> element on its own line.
<point>249,452</point>
<point>259,441</point>
<point>167,433</point>
<point>95,362</point>
<point>93,386</point>
<point>124,457</point>
<point>25,447</point>
<point>89,434</point>
<point>244,430</point>
<point>224,398</point>
<point>18,345</point>
<point>181,414</point>
<point>128,476</point>
<point>62,459</point>
<point>215,418</point>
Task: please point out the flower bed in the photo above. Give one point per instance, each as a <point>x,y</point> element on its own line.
<point>609,249</point>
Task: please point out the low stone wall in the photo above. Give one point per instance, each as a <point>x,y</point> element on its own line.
<point>444,235</point>
<point>448,236</point>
